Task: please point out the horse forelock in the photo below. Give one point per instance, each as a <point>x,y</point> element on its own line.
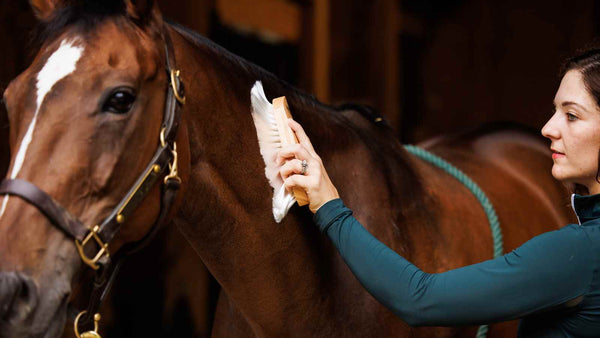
<point>83,17</point>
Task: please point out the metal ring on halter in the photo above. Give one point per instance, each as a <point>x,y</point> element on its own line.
<point>304,166</point>
<point>93,333</point>
<point>176,85</point>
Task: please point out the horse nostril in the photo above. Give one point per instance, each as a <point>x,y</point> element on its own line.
<point>9,286</point>
<point>17,295</point>
<point>27,295</point>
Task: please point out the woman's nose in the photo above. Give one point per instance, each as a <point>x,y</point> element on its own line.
<point>550,130</point>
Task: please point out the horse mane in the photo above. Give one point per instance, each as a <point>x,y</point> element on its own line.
<point>249,67</point>
<point>293,94</point>
<point>84,16</point>
<point>368,112</point>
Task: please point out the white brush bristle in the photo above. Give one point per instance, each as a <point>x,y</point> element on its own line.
<point>269,142</point>
<point>282,202</point>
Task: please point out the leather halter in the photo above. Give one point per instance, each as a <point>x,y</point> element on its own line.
<point>164,159</point>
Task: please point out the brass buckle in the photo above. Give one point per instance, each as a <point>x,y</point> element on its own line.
<point>163,142</point>
<point>89,334</point>
<point>174,76</point>
<point>103,248</point>
<point>173,166</point>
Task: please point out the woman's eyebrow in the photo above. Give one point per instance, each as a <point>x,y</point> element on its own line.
<point>571,103</point>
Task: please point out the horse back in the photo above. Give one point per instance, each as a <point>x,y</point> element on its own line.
<point>512,165</point>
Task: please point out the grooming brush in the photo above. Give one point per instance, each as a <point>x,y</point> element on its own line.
<point>281,112</point>
<point>270,120</point>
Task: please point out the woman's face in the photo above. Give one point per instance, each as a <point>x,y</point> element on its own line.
<point>574,130</point>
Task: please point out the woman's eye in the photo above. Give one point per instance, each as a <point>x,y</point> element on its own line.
<point>571,117</point>
<point>119,102</point>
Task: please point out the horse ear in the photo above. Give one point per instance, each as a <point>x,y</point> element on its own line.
<point>139,9</point>
<point>43,9</point>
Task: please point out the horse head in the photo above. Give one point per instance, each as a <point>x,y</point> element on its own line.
<point>93,131</point>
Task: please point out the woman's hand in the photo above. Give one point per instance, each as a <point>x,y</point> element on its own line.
<point>312,177</point>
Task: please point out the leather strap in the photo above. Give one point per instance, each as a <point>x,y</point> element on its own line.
<point>141,188</point>
<point>60,217</point>
<point>104,279</point>
<point>172,115</point>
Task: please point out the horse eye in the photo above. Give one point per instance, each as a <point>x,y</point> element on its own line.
<point>119,102</point>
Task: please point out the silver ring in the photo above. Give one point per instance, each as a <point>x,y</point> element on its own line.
<point>304,166</point>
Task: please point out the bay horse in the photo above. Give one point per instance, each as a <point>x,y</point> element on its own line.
<point>89,124</point>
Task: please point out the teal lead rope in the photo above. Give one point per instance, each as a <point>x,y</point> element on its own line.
<point>479,194</point>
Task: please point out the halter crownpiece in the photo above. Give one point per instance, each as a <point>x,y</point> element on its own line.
<point>165,158</point>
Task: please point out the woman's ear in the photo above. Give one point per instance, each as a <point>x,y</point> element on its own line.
<point>43,9</point>
<point>139,9</point>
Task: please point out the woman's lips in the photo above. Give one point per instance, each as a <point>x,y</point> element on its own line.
<point>556,155</point>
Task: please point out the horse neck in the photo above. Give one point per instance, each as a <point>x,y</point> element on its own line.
<point>226,214</point>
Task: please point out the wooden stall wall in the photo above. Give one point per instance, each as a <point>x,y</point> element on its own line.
<point>494,60</point>
<point>440,66</point>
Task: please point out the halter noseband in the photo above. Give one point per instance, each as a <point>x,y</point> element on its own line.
<point>164,159</point>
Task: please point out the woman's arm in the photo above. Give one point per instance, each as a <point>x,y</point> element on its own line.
<point>546,271</point>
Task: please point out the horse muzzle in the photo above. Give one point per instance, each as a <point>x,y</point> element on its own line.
<point>18,297</point>
<point>22,313</point>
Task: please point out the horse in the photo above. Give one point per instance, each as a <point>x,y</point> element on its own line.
<point>168,306</point>
<point>91,125</point>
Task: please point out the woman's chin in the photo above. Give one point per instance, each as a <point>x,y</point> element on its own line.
<point>558,174</point>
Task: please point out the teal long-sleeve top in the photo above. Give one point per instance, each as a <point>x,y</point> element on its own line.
<point>552,282</point>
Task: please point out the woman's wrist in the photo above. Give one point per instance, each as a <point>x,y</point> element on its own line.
<point>330,196</point>
<point>322,204</point>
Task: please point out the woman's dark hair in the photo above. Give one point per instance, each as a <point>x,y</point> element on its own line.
<point>587,62</point>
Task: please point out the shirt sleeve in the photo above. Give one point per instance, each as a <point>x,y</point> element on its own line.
<point>546,271</point>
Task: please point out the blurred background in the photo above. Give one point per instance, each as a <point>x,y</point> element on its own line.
<point>428,66</point>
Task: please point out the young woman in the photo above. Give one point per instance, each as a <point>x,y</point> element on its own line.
<point>552,282</point>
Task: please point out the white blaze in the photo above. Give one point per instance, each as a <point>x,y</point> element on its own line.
<point>60,64</point>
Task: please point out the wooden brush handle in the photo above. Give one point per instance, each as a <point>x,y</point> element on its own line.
<point>281,111</point>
